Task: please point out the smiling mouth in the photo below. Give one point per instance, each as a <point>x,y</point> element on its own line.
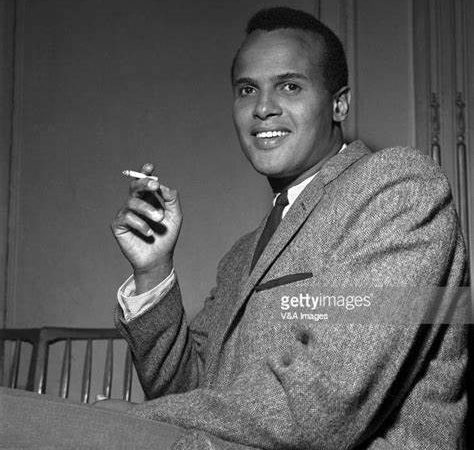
<point>271,134</point>
<point>269,139</point>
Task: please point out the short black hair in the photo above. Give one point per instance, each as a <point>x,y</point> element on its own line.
<point>335,71</point>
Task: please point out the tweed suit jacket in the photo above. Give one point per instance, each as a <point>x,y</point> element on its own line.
<point>238,373</point>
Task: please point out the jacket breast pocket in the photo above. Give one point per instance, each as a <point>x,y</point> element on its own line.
<point>280,281</point>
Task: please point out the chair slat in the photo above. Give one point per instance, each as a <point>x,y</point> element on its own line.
<point>41,371</point>
<point>65,371</point>
<point>30,382</point>
<point>13,379</point>
<point>2,361</point>
<point>108,370</point>
<point>127,376</point>
<point>86,373</point>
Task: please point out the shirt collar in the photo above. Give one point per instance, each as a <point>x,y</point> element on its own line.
<point>295,191</point>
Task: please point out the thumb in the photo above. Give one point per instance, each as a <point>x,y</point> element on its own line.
<point>171,200</point>
<point>170,196</point>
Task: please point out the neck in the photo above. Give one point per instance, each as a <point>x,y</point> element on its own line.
<point>284,183</point>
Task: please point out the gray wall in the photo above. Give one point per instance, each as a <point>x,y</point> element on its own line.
<point>7,19</point>
<point>384,95</point>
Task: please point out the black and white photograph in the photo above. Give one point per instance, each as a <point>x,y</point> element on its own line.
<point>236,224</point>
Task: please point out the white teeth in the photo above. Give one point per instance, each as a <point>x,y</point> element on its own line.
<point>271,134</point>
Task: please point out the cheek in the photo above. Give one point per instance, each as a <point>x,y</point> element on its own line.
<point>302,112</point>
<point>315,121</point>
<point>236,109</point>
<point>240,112</point>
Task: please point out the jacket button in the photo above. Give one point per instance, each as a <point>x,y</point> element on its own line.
<point>286,359</point>
<point>303,336</point>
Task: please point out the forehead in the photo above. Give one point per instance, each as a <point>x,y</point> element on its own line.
<point>267,53</point>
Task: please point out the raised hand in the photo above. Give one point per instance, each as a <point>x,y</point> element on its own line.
<point>147,228</point>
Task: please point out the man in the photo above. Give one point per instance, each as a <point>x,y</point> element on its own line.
<point>242,374</point>
<point>349,218</point>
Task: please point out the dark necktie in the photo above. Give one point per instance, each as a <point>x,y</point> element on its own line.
<point>272,223</point>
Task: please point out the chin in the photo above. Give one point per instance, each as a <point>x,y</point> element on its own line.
<point>266,166</point>
<point>271,172</point>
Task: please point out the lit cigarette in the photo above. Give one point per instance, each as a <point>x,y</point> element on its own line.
<point>133,174</point>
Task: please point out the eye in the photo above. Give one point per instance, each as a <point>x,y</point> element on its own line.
<point>291,88</point>
<point>245,91</point>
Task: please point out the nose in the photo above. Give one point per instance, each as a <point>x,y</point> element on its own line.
<point>266,106</point>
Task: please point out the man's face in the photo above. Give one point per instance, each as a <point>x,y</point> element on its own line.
<point>282,111</point>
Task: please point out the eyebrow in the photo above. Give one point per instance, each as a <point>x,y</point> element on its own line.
<point>291,76</point>
<point>244,80</point>
<point>279,78</point>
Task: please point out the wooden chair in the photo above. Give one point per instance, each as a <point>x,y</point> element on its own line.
<point>41,340</point>
<point>18,339</point>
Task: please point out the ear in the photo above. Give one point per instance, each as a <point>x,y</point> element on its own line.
<point>340,104</point>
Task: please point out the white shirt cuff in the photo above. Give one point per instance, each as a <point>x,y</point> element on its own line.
<point>134,305</point>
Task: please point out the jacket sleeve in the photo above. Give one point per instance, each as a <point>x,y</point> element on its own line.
<point>370,385</point>
<point>168,353</point>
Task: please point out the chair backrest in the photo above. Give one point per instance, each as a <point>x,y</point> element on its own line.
<point>10,357</point>
<point>42,339</point>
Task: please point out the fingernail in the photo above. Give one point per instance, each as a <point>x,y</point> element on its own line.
<point>153,184</point>
<point>156,216</point>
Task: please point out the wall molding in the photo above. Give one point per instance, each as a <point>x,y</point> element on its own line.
<point>442,70</point>
<point>460,98</point>
<point>435,148</point>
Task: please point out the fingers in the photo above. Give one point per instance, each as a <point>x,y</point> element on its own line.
<point>140,186</point>
<point>145,209</point>
<point>137,215</point>
<point>127,220</point>
<point>170,199</point>
<point>169,196</point>
<point>144,184</point>
<point>148,202</point>
<point>147,168</point>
